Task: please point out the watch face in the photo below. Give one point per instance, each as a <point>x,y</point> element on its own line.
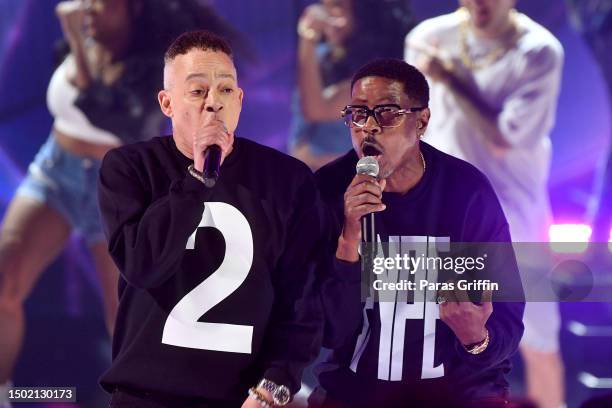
<point>281,395</point>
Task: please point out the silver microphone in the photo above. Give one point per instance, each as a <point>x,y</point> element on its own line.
<point>368,165</point>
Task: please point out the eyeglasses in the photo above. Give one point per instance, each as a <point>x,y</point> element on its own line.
<point>387,116</point>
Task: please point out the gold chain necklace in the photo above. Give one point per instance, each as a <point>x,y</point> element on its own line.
<point>423,161</point>
<point>494,54</point>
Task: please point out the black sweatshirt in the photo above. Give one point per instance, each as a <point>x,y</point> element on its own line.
<point>379,357</point>
<point>206,312</point>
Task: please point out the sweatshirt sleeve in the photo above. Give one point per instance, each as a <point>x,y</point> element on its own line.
<point>341,280</point>
<point>342,305</point>
<point>293,339</point>
<point>146,238</point>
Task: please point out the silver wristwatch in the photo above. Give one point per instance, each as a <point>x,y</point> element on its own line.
<point>280,394</point>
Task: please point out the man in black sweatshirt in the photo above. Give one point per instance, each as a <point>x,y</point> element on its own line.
<point>217,303</point>
<point>420,349</point>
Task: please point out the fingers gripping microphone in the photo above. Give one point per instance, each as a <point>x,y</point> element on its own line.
<point>212,163</point>
<point>369,166</point>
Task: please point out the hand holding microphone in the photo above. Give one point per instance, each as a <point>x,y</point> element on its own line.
<point>211,145</point>
<point>362,198</point>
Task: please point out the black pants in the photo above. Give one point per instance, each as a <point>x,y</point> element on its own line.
<point>124,398</point>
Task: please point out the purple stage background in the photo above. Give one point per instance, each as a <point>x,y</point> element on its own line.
<point>66,341</point>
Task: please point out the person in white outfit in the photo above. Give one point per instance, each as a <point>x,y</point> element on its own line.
<point>495,78</point>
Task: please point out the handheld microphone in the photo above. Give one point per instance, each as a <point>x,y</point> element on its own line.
<point>368,165</point>
<point>212,164</point>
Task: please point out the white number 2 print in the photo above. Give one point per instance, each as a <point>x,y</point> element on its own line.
<point>182,327</point>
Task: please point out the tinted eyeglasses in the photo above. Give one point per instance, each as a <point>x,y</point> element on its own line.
<point>387,116</point>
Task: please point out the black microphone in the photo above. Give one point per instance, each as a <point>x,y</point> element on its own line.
<point>368,165</point>
<point>212,164</point>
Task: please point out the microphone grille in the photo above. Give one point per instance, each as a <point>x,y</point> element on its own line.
<point>367,165</point>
